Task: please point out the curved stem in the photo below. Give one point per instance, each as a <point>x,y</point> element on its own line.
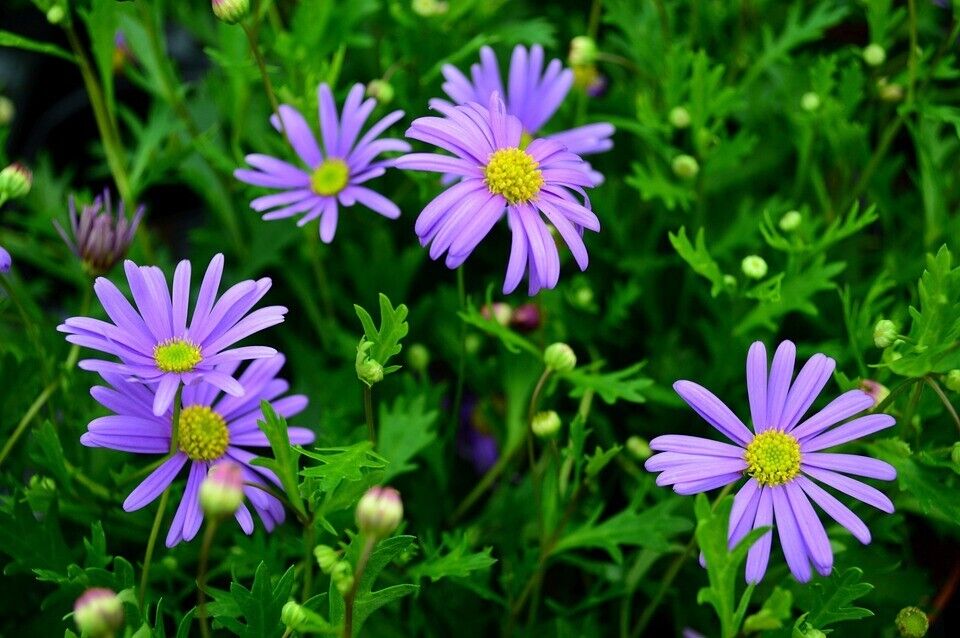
<point>943,398</point>
<point>32,411</point>
<point>267,84</point>
<point>208,535</point>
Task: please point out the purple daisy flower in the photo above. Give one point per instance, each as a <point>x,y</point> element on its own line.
<point>497,176</point>
<point>782,457</point>
<point>213,428</point>
<point>153,342</point>
<point>335,174</point>
<point>533,94</point>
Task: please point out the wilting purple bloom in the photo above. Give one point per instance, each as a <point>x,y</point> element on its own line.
<point>5,261</point>
<point>335,174</point>
<point>533,94</point>
<point>213,428</point>
<point>100,239</point>
<point>497,177</point>
<point>474,441</point>
<point>153,342</point>
<point>780,457</point>
<point>526,318</point>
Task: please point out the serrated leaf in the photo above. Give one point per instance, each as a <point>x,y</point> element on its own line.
<point>285,461</point>
<point>457,562</point>
<point>832,599</point>
<point>934,488</point>
<point>8,39</point>
<point>626,384</point>
<point>600,459</point>
<point>338,464</point>
<point>406,429</point>
<point>386,339</point>
<point>775,610</point>
<point>512,341</point>
<point>698,258</point>
<point>260,606</point>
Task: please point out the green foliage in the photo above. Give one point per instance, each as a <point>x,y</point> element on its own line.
<point>254,611</point>
<point>453,558</point>
<point>383,343</point>
<point>407,428</point>
<point>698,258</point>
<point>831,600</point>
<point>285,461</point>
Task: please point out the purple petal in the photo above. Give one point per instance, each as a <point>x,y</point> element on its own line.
<point>781,372</point>
<point>844,406</point>
<point>850,487</point>
<point>835,509</point>
<point>810,382</point>
<point>166,390</point>
<point>811,529</point>
<point>852,464</point>
<point>790,540</point>
<point>855,429</point>
<point>694,445</point>
<point>713,411</point>
<point>759,554</point>
<point>757,385</point>
<point>155,483</point>
<point>300,136</point>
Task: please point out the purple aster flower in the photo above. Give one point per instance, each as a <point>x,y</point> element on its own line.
<point>153,342</point>
<point>533,94</point>
<point>100,240</point>
<point>213,428</point>
<point>497,177</point>
<point>782,457</point>
<point>335,174</point>
<point>5,261</point>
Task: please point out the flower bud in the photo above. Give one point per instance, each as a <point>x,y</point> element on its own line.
<point>418,356</point>
<point>790,221</point>
<point>15,181</point>
<point>955,453</point>
<point>381,90</point>
<point>588,79</point>
<point>952,380</point>
<point>526,318</point>
<point>685,166</point>
<point>98,612</point>
<point>877,391</point>
<point>293,616</point>
<point>342,577</point>
<point>582,296</point>
<point>326,557</point>
<point>912,622</point>
<point>559,357</point>
<point>639,448</point>
<point>379,512</point>
<point>810,101</point>
<point>370,372</point>
<point>5,261</point>
<point>679,117</point>
<point>889,91</point>
<point>56,14</point>
<point>231,11</point>
<point>754,266</point>
<point>545,424</point>
<point>99,238</point>
<point>221,492</point>
<point>884,333</point>
<point>583,50</point>
<point>7,110</point>
<point>429,8</point>
<point>874,54</point>
<point>497,311</point>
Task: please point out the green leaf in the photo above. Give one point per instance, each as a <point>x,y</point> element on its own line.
<point>775,610</point>
<point>338,464</point>
<point>512,341</point>
<point>832,599</point>
<point>285,461</point>
<point>386,340</point>
<point>8,39</point>
<point>260,606</point>
<point>457,562</point>
<point>626,384</point>
<point>406,429</point>
<point>934,488</point>
<point>600,459</point>
<point>698,258</point>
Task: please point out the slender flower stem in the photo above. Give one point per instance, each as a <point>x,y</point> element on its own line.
<point>267,84</point>
<point>912,54</point>
<point>309,538</point>
<point>943,398</point>
<point>368,413</point>
<point>462,366</point>
<point>208,535</point>
<point>349,600</point>
<point>162,507</point>
<point>32,411</point>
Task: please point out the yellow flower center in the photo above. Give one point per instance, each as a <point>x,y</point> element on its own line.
<point>176,355</point>
<point>330,177</point>
<point>773,458</point>
<point>513,173</point>
<point>203,434</point>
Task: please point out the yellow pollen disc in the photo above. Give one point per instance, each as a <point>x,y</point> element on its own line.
<point>513,173</point>
<point>176,355</point>
<point>773,458</point>
<point>330,177</point>
<point>203,434</point>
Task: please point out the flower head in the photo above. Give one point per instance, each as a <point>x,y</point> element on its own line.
<point>154,343</point>
<point>532,94</point>
<point>214,431</point>
<point>100,239</point>
<point>500,176</point>
<point>781,459</point>
<point>334,175</point>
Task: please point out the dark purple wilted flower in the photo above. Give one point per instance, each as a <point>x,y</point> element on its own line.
<point>213,428</point>
<point>532,94</point>
<point>100,239</point>
<point>334,176</point>
<point>153,342</point>
<point>780,457</point>
<point>497,176</point>
<point>526,318</point>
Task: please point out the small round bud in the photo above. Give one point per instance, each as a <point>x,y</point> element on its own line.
<point>379,511</point>
<point>472,343</point>
<point>912,622</point>
<point>546,424</point>
<point>15,181</point>
<point>7,110</point>
<point>754,266</point>
<point>381,90</point>
<point>221,493</point>
<point>559,357</point>
<point>877,391</point>
<point>814,633</point>
<point>790,221</point>
<point>955,453</point>
<point>526,318</point>
<point>230,11</point>
<point>730,281</point>
<point>874,54</point>
<point>326,557</point>
<point>429,8</point>
<point>884,333</point>
<point>5,261</point>
<point>342,577</point>
<point>98,612</point>
<point>952,380</point>
<point>685,166</point>
<point>679,117</point>
<point>497,311</point>
<point>418,356</point>
<point>583,296</point>
<point>56,14</point>
<point>889,91</point>
<point>293,616</point>
<point>370,372</point>
<point>639,448</point>
<point>810,101</point>
<point>583,50</point>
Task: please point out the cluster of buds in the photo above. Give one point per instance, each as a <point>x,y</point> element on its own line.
<point>639,448</point>
<point>15,182</point>
<point>293,616</point>
<point>429,8</point>
<point>877,391</point>
<point>583,56</point>
<point>100,239</point>
<point>98,613</point>
<point>679,117</point>
<point>332,563</point>
<point>381,90</point>
<point>221,492</point>
<point>790,221</point>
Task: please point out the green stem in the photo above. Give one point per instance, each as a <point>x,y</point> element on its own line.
<point>32,411</point>
<point>267,84</point>
<point>348,600</point>
<point>943,398</point>
<point>309,539</point>
<point>462,366</point>
<point>368,413</point>
<point>912,54</point>
<point>208,535</point>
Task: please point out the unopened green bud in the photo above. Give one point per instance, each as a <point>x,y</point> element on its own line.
<point>472,343</point>
<point>379,512</point>
<point>342,577</point>
<point>498,311</point>
<point>326,557</point>
<point>874,54</point>
<point>545,424</point>
<point>293,616</point>
<point>884,333</point>
<point>754,266</point>
<point>7,110</point>
<point>952,380</point>
<point>679,117</point>
<point>955,453</point>
<point>729,281</point>
<point>889,91</point>
<point>418,356</point>
<point>912,622</point>
<point>56,14</point>
<point>98,613</point>
<point>583,50</point>
<point>639,448</point>
<point>221,492</point>
<point>15,181</point>
<point>685,166</point>
<point>790,221</point>
<point>428,8</point>
<point>370,372</point>
<point>559,357</point>
<point>231,11</point>
<point>810,101</point>
<point>381,90</point>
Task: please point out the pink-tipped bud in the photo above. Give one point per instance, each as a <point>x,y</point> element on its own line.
<point>15,181</point>
<point>379,511</point>
<point>497,311</point>
<point>231,11</point>
<point>877,391</point>
<point>221,493</point>
<point>526,318</point>
<point>98,612</point>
